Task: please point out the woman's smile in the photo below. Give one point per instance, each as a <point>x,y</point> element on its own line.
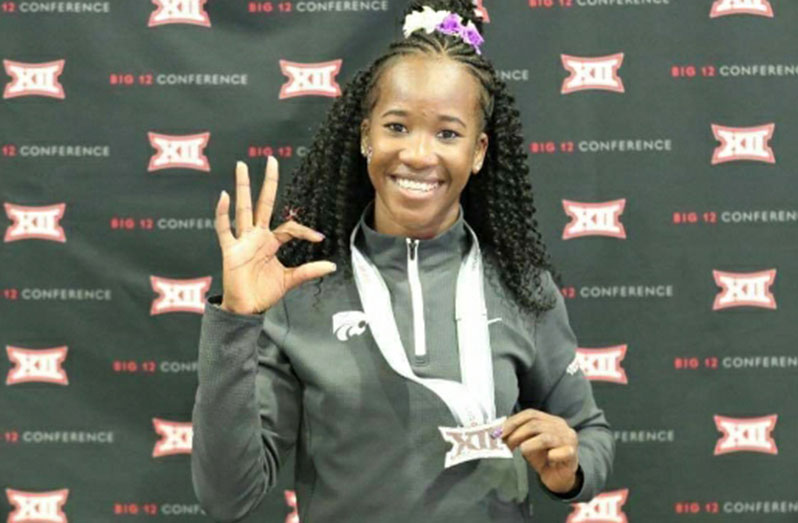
<point>415,190</point>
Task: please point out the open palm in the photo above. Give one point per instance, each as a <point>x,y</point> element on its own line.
<point>253,278</point>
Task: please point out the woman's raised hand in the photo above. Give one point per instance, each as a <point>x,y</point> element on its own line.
<point>253,279</point>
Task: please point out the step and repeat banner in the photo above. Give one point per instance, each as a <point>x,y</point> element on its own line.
<point>661,138</point>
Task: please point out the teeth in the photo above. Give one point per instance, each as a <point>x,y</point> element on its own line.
<point>415,186</point>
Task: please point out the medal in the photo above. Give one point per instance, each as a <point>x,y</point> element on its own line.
<point>470,402</point>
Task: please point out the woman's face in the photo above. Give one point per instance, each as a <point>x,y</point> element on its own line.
<point>424,127</point>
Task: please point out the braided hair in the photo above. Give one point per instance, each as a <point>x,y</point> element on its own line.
<point>331,187</point>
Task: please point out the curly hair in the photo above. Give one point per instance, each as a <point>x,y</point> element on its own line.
<point>331,187</point>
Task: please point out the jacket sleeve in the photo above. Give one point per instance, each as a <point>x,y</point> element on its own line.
<point>246,410</point>
<point>556,385</point>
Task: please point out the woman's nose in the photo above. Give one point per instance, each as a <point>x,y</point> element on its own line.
<point>419,151</point>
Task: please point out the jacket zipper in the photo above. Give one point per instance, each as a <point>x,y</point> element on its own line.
<point>417,300</point>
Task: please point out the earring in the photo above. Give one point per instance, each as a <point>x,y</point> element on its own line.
<point>366,154</point>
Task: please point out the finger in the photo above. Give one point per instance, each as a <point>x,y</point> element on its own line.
<point>263,214</point>
<point>539,443</point>
<point>562,454</point>
<point>295,276</point>
<point>528,430</point>
<point>289,230</point>
<point>243,200</point>
<point>222,221</point>
<point>520,418</point>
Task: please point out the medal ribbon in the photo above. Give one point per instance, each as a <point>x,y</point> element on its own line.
<point>472,401</point>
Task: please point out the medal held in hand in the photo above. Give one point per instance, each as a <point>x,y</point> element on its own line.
<point>470,402</point>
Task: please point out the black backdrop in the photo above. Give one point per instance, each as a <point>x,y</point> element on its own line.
<point>661,136</point>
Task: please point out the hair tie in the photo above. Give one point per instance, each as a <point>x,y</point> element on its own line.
<point>444,22</point>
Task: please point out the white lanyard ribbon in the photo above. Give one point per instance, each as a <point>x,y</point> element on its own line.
<point>472,401</point>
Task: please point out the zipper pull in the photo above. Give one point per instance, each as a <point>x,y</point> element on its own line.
<point>412,247</point>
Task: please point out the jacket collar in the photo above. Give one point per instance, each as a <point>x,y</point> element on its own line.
<point>389,252</point>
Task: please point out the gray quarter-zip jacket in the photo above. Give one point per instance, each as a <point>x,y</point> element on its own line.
<point>367,443</point>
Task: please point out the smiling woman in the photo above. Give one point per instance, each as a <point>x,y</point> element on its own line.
<point>418,180</point>
<point>425,134</point>
<point>328,186</point>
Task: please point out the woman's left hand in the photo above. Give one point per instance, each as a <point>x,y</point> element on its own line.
<point>548,444</point>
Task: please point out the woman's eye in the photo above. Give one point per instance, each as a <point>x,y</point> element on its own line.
<point>448,134</point>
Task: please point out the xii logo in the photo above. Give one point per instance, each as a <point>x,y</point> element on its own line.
<point>744,289</point>
<point>741,7</point>
<point>310,79</point>
<point>34,79</point>
<point>746,434</point>
<point>592,73</point>
<point>743,143</point>
<point>179,12</point>
<point>594,219</point>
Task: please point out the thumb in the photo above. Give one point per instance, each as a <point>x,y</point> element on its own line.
<point>295,276</point>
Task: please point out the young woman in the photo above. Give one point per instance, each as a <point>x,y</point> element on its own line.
<point>390,346</point>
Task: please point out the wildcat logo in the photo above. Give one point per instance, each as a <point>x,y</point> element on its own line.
<point>310,79</point>
<point>42,365</point>
<point>604,508</point>
<point>179,295</point>
<point>741,7</point>
<point>347,324</point>
<point>176,152</point>
<point>474,442</point>
<point>746,434</point>
<point>175,437</point>
<point>603,364</point>
<point>37,507</point>
<point>600,72</point>
<point>179,12</point>
<point>750,289</point>
<point>34,79</point>
<point>743,143</point>
<point>594,219</point>
<point>35,222</point>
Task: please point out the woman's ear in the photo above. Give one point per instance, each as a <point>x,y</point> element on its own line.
<point>479,153</point>
<point>364,129</point>
<point>364,141</point>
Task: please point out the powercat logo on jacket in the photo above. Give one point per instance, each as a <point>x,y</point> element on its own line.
<point>179,295</point>
<point>35,222</point>
<point>604,508</point>
<point>600,72</point>
<point>746,434</point>
<point>346,324</point>
<point>603,364</point>
<point>179,12</point>
<point>37,507</point>
<point>42,365</point>
<point>175,437</point>
<point>594,219</point>
<point>741,7</point>
<point>40,79</point>
<point>179,151</point>
<point>317,79</point>
<point>743,143</point>
<point>744,289</point>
